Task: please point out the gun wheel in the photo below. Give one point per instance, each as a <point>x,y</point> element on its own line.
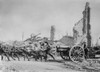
<point>76,54</point>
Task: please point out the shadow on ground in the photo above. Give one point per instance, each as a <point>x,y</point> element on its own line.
<point>58,61</point>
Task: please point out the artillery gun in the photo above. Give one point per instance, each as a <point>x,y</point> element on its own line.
<point>75,53</point>
<point>78,53</point>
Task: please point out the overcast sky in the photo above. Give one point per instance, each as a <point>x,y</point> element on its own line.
<point>36,16</point>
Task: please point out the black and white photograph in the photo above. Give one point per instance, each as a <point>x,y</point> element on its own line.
<point>49,35</point>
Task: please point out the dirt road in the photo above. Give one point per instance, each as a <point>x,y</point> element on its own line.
<point>27,66</point>
<point>58,65</point>
<point>34,66</point>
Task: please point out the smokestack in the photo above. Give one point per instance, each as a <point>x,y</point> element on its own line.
<point>52,33</point>
<point>86,24</point>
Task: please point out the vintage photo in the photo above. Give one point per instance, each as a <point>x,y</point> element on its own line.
<point>49,36</point>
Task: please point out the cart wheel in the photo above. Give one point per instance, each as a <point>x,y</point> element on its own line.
<point>64,56</point>
<point>76,54</point>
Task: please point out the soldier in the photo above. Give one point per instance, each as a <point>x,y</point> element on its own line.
<point>86,50</point>
<point>48,48</point>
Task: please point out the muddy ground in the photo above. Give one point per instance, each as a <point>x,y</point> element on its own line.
<point>57,65</point>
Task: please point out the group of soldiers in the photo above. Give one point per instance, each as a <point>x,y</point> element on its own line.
<point>40,50</point>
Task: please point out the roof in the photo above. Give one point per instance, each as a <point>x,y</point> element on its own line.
<point>67,40</point>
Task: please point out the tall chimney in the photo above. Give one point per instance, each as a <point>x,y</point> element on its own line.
<point>86,24</point>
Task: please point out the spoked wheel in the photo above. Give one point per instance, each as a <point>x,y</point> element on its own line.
<point>76,54</point>
<point>64,56</point>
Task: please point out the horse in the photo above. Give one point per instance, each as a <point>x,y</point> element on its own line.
<point>47,50</point>
<point>39,52</point>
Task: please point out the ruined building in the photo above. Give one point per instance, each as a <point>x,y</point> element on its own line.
<point>81,30</point>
